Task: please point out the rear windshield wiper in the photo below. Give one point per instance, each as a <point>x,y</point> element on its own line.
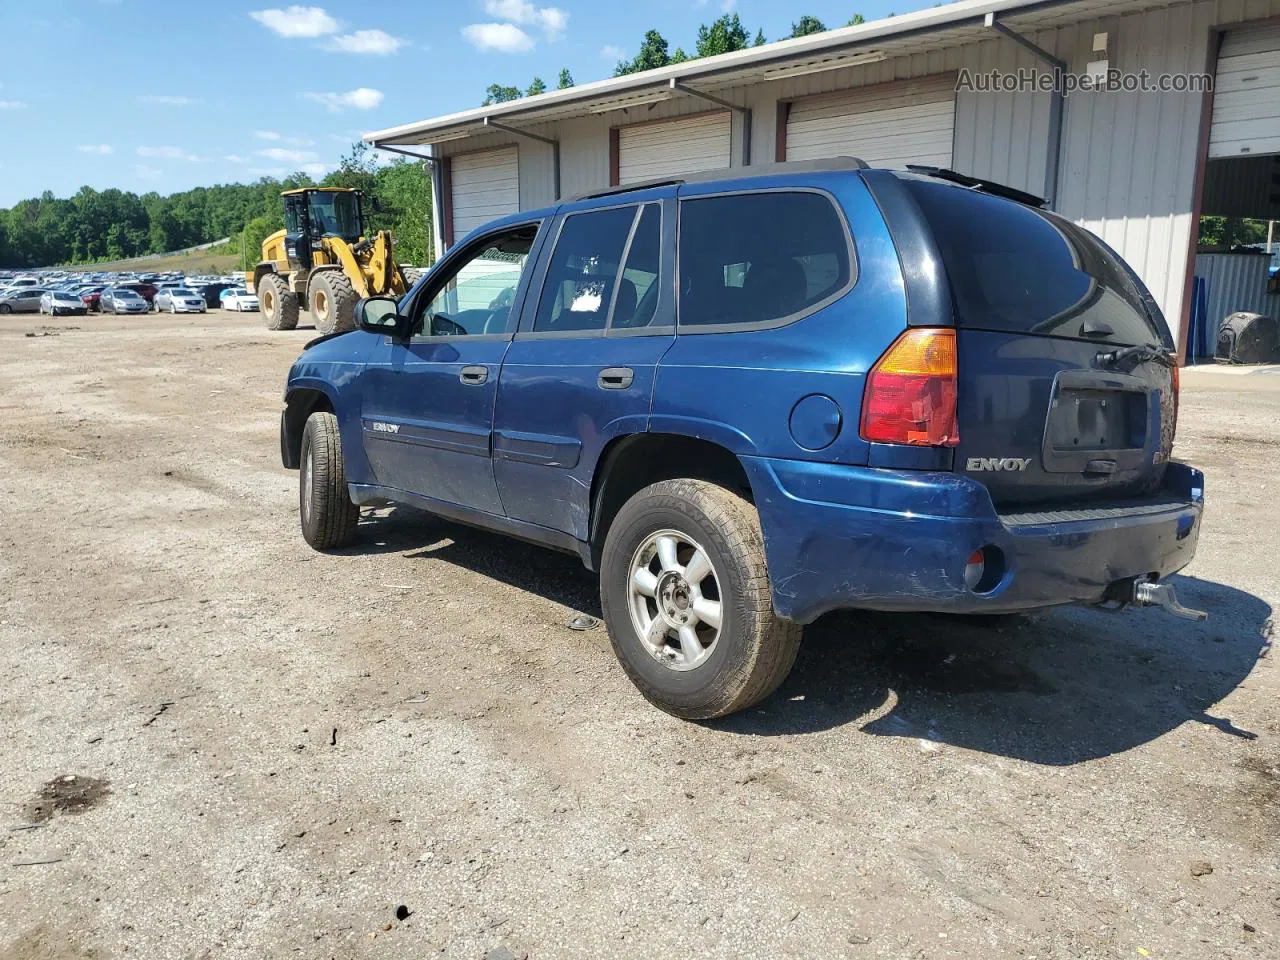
<point>1126,358</point>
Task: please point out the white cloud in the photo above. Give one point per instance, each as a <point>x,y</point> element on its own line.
<point>315,170</point>
<point>147,173</point>
<point>281,155</point>
<point>233,158</point>
<point>102,149</point>
<point>502,37</point>
<point>12,105</point>
<point>362,98</point>
<point>166,153</point>
<point>612,52</point>
<point>376,42</point>
<point>168,101</point>
<point>266,135</point>
<point>550,20</point>
<point>297,21</point>
<point>276,137</point>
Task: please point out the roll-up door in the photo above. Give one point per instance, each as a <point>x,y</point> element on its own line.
<point>670,148</point>
<point>485,185</point>
<point>887,125</point>
<point>1246,94</point>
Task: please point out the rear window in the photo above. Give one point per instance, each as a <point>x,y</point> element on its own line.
<point>1013,267</point>
<point>756,258</point>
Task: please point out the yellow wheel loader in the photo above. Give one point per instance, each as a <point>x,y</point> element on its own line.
<point>322,263</point>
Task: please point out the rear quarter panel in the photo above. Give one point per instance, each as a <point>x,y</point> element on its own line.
<point>738,388</point>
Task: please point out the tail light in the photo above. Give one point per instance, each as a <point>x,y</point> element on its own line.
<point>1176,381</point>
<point>910,395</point>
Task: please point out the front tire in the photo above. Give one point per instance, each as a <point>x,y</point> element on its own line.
<point>332,300</point>
<point>279,305</point>
<point>328,516</point>
<point>686,599</point>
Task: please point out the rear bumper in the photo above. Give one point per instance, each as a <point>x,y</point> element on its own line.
<point>854,537</point>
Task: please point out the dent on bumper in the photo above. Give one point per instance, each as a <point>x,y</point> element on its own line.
<point>856,537</point>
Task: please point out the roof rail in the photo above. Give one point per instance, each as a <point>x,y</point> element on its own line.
<point>827,165</point>
<point>976,183</point>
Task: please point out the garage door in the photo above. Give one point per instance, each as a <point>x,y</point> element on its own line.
<point>485,185</point>
<point>1246,97</point>
<point>671,148</point>
<point>887,125</point>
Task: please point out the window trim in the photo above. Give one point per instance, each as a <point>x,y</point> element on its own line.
<point>854,268</point>
<point>430,289</point>
<point>608,329</point>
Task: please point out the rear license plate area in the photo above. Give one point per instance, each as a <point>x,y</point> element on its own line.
<point>1093,426</point>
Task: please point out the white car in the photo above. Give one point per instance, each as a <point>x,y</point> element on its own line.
<point>180,300</point>
<point>62,303</point>
<point>241,301</point>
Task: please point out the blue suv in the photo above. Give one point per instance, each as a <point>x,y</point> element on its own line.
<point>752,397</point>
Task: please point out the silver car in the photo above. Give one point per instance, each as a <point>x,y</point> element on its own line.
<point>123,300</point>
<point>180,300</point>
<point>62,303</point>
<point>21,300</point>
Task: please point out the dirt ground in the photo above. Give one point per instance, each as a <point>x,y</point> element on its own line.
<point>217,742</point>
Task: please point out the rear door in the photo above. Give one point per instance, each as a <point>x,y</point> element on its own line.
<point>1049,407</point>
<point>581,369</point>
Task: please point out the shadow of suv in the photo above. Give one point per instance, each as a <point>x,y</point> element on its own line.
<point>752,397</point>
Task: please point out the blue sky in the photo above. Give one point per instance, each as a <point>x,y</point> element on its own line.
<point>169,94</point>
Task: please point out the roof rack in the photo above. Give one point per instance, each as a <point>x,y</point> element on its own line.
<point>827,165</point>
<point>976,183</point>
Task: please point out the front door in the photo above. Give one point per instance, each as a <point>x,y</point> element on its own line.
<point>427,405</point>
<point>580,371</point>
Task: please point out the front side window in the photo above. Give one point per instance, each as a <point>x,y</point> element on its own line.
<point>478,296</point>
<point>335,215</point>
<point>756,258</point>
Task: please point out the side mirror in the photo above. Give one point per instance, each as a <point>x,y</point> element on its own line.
<point>381,315</point>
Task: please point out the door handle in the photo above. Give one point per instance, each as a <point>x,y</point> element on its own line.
<point>615,378</point>
<point>473,376</point>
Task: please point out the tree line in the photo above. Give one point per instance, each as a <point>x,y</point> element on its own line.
<point>100,226</point>
<point>723,35</point>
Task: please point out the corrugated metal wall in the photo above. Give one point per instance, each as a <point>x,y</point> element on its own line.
<point>1236,282</point>
<point>1128,162</point>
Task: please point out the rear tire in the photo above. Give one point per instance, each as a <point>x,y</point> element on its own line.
<point>332,300</point>
<point>412,275</point>
<point>328,516</point>
<point>279,305</point>
<point>739,650</point>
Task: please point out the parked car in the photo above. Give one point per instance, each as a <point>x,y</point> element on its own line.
<point>180,300</point>
<point>92,297</point>
<point>240,300</point>
<point>21,300</point>
<point>123,300</point>
<point>212,292</point>
<point>62,303</point>
<point>145,290</point>
<point>971,414</point>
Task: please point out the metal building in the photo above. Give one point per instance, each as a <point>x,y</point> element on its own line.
<point>1131,166</point>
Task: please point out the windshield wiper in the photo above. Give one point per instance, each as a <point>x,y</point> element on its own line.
<point>1126,358</point>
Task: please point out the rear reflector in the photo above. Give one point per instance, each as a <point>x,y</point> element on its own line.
<point>910,395</point>
<point>973,570</point>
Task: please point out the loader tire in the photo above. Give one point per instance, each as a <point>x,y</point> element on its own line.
<point>333,302</point>
<point>412,275</point>
<point>278,303</point>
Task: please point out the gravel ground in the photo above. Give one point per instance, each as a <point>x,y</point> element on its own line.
<point>275,750</point>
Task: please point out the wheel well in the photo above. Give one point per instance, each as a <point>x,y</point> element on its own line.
<point>299,405</point>
<point>629,464</point>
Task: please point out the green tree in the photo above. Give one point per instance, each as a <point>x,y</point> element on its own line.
<point>496,93</point>
<point>255,231</point>
<point>807,25</point>
<point>760,40</point>
<point>653,54</point>
<point>536,87</point>
<point>856,20</point>
<point>566,79</point>
<point>723,35</point>
<point>406,192</point>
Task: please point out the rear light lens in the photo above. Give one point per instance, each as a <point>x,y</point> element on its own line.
<point>910,395</point>
<point>974,569</point>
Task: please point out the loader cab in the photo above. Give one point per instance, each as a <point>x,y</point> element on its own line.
<point>314,213</point>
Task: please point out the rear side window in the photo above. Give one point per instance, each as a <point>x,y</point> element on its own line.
<point>1013,267</point>
<point>759,258</point>
<point>582,275</point>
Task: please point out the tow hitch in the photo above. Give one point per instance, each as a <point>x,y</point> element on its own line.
<point>1143,592</point>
